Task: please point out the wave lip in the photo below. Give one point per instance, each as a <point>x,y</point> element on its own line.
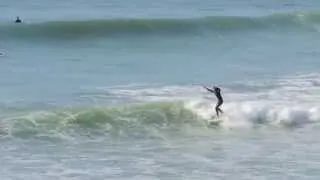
<point>142,27</point>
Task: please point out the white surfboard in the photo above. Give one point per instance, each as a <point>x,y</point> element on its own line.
<point>215,121</point>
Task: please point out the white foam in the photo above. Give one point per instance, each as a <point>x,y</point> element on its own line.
<point>289,101</point>
<point>251,114</point>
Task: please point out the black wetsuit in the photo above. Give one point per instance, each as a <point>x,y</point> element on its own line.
<point>217,92</point>
<point>220,100</point>
<point>18,20</point>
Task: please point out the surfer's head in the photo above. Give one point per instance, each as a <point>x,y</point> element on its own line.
<point>216,89</point>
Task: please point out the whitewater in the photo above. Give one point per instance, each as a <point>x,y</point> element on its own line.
<point>113,90</point>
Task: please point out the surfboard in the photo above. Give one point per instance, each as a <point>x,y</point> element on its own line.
<point>214,121</point>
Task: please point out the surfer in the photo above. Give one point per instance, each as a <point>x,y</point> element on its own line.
<point>18,20</point>
<point>215,90</point>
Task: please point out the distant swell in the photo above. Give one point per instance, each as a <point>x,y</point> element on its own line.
<point>143,27</point>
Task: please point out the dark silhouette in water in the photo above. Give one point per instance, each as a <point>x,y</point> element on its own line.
<point>18,20</point>
<point>217,92</point>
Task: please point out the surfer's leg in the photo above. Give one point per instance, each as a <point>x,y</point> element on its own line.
<point>218,110</point>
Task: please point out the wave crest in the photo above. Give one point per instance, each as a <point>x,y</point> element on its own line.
<point>126,119</point>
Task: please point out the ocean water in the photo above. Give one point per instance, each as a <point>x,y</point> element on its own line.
<point>113,89</point>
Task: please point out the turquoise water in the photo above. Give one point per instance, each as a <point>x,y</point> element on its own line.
<point>112,90</point>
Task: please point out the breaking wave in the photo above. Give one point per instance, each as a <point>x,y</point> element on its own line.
<point>143,119</point>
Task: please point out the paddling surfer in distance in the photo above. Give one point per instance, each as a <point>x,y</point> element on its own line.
<point>18,20</point>
<point>216,91</point>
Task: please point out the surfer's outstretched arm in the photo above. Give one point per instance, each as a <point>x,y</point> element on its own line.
<point>208,89</point>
